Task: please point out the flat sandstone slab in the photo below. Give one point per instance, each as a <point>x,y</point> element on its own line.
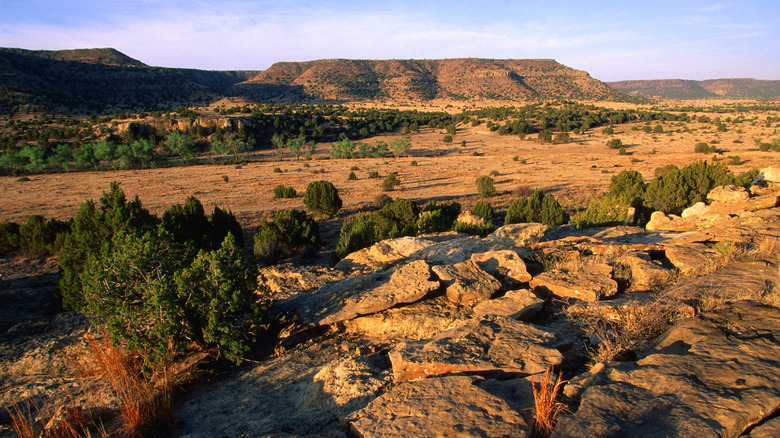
<point>440,407</point>
<point>488,344</point>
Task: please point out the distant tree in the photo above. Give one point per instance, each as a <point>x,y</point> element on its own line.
<point>401,146</point>
<point>295,145</point>
<point>545,136</point>
<point>180,144</point>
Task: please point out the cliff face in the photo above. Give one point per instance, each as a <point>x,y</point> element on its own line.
<point>465,78</point>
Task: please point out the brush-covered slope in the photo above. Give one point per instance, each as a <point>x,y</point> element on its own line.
<point>401,80</point>
<point>708,89</point>
<point>91,80</point>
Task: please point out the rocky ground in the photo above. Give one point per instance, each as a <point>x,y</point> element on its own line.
<point>669,330</point>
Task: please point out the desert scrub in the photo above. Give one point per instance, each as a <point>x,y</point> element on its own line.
<point>483,209</point>
<point>290,232</point>
<point>604,213</point>
<point>373,174</point>
<point>390,182</point>
<point>352,176</point>
<point>161,288</point>
<point>322,198</point>
<point>485,186</point>
<point>675,189</point>
<point>540,207</point>
<point>615,143</point>
<point>36,238</point>
<point>437,218</point>
<point>282,191</point>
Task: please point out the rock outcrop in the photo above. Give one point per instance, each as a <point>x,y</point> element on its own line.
<point>714,375</point>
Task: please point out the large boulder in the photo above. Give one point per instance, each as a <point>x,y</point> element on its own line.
<point>713,375</point>
<point>588,283</point>
<point>466,283</point>
<point>488,344</point>
<point>440,407</point>
<point>728,194</point>
<point>366,294</point>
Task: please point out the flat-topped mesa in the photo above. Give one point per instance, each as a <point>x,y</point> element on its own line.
<point>425,79</point>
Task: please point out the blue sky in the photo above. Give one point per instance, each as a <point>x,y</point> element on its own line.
<point>611,40</point>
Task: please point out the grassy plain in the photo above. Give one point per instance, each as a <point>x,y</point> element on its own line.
<point>574,171</point>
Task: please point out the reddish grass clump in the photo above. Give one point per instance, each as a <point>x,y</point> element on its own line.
<point>142,404</point>
<point>547,407</point>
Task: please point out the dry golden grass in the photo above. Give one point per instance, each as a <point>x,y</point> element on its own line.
<point>142,404</point>
<point>546,404</point>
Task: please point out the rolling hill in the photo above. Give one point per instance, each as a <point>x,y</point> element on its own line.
<point>707,89</point>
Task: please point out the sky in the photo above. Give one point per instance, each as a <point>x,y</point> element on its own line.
<point>611,40</point>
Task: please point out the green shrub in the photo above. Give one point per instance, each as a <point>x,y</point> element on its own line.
<point>290,232</point>
<point>39,237</point>
<point>282,191</point>
<point>322,198</point>
<point>540,207</point>
<point>628,187</point>
<point>483,209</point>
<point>356,234</point>
<point>277,170</point>
<point>608,130</point>
<point>413,163</point>
<point>373,174</point>
<point>676,189</point>
<point>437,218</point>
<point>622,151</point>
<point>160,298</point>
<point>702,148</point>
<point>615,143</point>
<point>485,186</point>
<point>9,236</point>
<point>447,139</point>
<point>396,219</point>
<point>149,284</point>
<point>473,229</point>
<point>545,136</point>
<point>607,212</point>
<point>390,182</point>
<point>91,233</point>
<point>352,176</point>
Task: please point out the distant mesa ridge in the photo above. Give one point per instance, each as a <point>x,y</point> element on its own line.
<point>734,88</point>
<point>105,80</point>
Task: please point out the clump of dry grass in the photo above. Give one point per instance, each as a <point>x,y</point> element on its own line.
<point>546,405</point>
<point>522,190</point>
<point>57,418</point>
<point>621,329</point>
<point>142,404</point>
